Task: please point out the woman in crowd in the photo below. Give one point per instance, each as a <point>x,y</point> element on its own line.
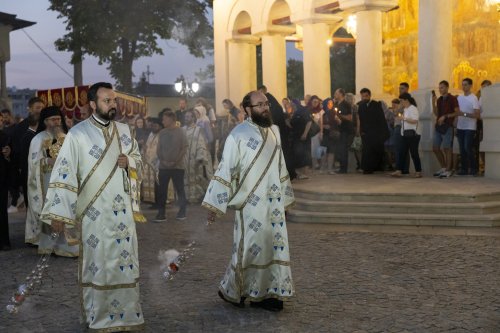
<point>203,122</point>
<point>329,133</point>
<point>316,111</point>
<point>301,140</point>
<point>355,143</point>
<point>141,132</point>
<point>410,135</point>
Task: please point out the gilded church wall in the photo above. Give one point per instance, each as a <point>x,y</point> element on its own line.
<point>476,44</point>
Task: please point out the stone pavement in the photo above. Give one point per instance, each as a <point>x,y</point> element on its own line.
<point>346,281</point>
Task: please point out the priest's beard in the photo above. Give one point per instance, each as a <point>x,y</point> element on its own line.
<point>263,119</point>
<point>55,131</point>
<point>110,115</point>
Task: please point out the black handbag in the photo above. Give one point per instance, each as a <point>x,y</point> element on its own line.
<point>409,133</point>
<point>314,129</point>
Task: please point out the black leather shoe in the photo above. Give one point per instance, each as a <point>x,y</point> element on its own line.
<point>241,304</point>
<point>269,304</point>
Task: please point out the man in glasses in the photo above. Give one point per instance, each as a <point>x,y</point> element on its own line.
<point>253,180</point>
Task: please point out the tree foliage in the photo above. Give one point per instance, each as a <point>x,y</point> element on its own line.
<point>295,78</point>
<point>118,32</point>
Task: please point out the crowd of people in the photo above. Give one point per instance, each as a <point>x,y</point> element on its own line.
<point>75,183</point>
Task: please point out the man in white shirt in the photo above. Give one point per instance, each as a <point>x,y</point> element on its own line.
<point>466,128</point>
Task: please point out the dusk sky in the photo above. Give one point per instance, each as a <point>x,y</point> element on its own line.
<point>30,68</point>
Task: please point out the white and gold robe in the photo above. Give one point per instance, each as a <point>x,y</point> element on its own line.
<point>98,200</point>
<point>252,179</point>
<point>39,172</point>
<point>199,168</point>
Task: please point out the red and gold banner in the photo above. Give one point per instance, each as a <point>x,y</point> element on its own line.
<point>73,99</point>
<point>70,98</point>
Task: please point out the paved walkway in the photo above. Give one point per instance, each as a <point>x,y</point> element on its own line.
<point>346,281</point>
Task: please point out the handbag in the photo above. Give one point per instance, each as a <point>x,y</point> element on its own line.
<point>356,144</point>
<point>314,129</point>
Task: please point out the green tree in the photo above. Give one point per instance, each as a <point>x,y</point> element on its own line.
<point>118,32</point>
<point>207,74</point>
<point>295,78</point>
<point>343,64</point>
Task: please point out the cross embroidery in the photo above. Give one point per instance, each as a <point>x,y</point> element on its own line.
<point>255,249</point>
<point>96,152</point>
<point>222,198</point>
<point>92,241</point>
<point>93,268</point>
<point>253,200</point>
<point>253,143</point>
<point>125,139</point>
<point>255,225</point>
<point>92,213</point>
<point>56,201</point>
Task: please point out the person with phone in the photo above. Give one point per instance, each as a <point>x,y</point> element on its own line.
<point>445,108</point>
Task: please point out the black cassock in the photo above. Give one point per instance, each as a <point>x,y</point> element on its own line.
<point>374,132</point>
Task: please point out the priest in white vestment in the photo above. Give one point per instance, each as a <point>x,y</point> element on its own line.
<point>199,170</point>
<point>41,158</point>
<point>93,198</point>
<point>253,180</point>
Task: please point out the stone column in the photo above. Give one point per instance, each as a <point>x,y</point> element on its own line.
<point>490,99</point>
<point>434,42</point>
<point>242,60</point>
<point>317,79</point>
<point>434,65</point>
<point>3,81</point>
<point>274,65</point>
<point>369,52</point>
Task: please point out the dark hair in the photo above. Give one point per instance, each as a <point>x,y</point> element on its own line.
<point>34,100</point>
<point>365,91</point>
<point>468,80</point>
<point>395,101</point>
<point>341,91</point>
<point>405,84</point>
<point>409,98</point>
<point>228,102</point>
<point>183,99</point>
<point>160,114</point>
<point>6,111</point>
<point>444,82</point>
<point>92,93</point>
<point>247,100</point>
<point>168,113</point>
<point>487,82</point>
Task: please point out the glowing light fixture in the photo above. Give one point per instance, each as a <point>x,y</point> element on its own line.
<point>351,25</point>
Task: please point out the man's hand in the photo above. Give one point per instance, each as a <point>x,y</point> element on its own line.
<point>122,161</point>
<point>441,120</point>
<point>57,226</point>
<point>6,152</point>
<point>211,218</point>
<point>51,161</point>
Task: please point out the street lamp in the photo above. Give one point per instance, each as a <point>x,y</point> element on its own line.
<point>184,88</point>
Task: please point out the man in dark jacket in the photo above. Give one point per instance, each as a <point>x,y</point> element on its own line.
<point>4,188</point>
<point>374,132</point>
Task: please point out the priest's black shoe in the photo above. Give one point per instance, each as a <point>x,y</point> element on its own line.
<point>241,304</point>
<point>269,304</point>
